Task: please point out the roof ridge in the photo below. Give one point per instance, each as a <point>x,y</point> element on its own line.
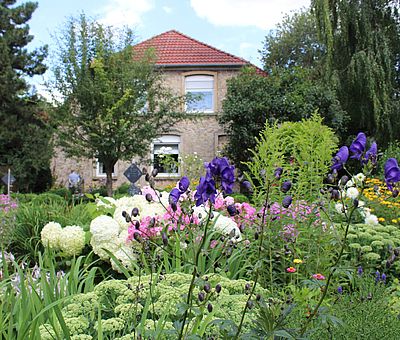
<point>207,45</point>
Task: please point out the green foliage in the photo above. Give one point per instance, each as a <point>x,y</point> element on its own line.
<point>130,306</point>
<point>284,95</point>
<point>24,132</point>
<point>294,42</point>
<point>364,312</point>
<point>113,103</point>
<point>363,45</point>
<point>36,296</point>
<point>122,190</point>
<point>304,151</point>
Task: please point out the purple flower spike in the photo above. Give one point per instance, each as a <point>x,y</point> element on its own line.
<point>174,196</point>
<point>359,270</point>
<point>287,201</point>
<point>341,157</point>
<point>285,187</point>
<point>278,173</point>
<point>219,168</point>
<point>183,184</point>
<point>205,191</point>
<point>340,290</point>
<point>383,278</point>
<point>357,148</point>
<point>392,173</point>
<point>371,154</point>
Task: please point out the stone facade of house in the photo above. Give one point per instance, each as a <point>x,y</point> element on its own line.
<point>201,135</point>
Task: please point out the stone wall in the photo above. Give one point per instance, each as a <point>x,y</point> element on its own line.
<point>201,134</point>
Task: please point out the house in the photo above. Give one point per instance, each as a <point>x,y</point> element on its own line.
<point>189,66</point>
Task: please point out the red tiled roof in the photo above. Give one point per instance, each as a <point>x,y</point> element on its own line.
<point>173,48</point>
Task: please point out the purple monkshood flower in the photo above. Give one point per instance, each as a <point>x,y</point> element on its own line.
<point>285,187</point>
<point>220,169</point>
<point>357,148</point>
<point>359,271</point>
<point>377,276</point>
<point>392,173</point>
<point>183,184</point>
<point>278,173</point>
<point>340,158</point>
<point>371,154</point>
<point>174,196</point>
<point>246,185</point>
<point>205,190</point>
<point>383,278</point>
<point>340,290</point>
<point>287,201</point>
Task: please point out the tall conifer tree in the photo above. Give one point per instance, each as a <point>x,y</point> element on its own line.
<point>24,138</point>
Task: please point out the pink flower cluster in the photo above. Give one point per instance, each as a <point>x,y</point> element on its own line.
<point>7,203</point>
<point>246,213</point>
<point>299,211</point>
<point>152,226</point>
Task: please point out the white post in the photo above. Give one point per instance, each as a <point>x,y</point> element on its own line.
<point>9,182</point>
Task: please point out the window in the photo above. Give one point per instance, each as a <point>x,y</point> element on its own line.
<point>201,90</point>
<point>166,155</point>
<point>100,170</point>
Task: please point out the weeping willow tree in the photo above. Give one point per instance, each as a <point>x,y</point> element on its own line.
<point>363,60</point>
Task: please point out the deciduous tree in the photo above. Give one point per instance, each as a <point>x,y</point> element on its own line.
<point>112,103</point>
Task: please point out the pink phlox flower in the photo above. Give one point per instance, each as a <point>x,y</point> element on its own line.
<point>219,202</point>
<point>173,218</point>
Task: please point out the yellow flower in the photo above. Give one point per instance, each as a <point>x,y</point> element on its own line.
<point>297,261</point>
<point>381,219</point>
<point>394,221</point>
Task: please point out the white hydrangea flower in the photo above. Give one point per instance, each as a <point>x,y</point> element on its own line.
<point>50,235</point>
<point>72,240</point>
<point>104,228</point>
<point>371,219</point>
<point>228,227</point>
<point>99,248</point>
<point>352,193</point>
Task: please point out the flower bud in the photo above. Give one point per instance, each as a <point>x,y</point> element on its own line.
<point>287,201</point>
<point>149,198</point>
<point>330,179</point>
<point>250,304</point>
<point>335,194</point>
<point>232,210</point>
<point>209,307</point>
<point>285,187</point>
<point>137,224</point>
<point>207,287</point>
<point>218,288</point>
<point>135,212</point>
<point>258,297</point>
<point>154,173</point>
<point>395,193</point>
<point>201,296</point>
<point>164,238</point>
<point>344,180</point>
<point>137,237</point>
<point>278,173</point>
<point>147,177</point>
<point>356,202</point>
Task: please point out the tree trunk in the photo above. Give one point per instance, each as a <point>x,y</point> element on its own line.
<point>109,182</point>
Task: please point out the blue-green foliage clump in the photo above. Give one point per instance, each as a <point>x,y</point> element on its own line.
<point>148,304</point>
<point>373,244</point>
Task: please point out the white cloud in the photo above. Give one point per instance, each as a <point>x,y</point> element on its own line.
<point>125,12</point>
<point>167,9</point>
<point>264,14</point>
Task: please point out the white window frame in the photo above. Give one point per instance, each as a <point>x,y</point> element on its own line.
<point>167,140</point>
<point>193,88</point>
<point>103,174</point>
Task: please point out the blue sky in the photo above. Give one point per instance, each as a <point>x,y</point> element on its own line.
<point>235,26</point>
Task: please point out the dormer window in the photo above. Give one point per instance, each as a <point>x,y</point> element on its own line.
<point>201,91</point>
